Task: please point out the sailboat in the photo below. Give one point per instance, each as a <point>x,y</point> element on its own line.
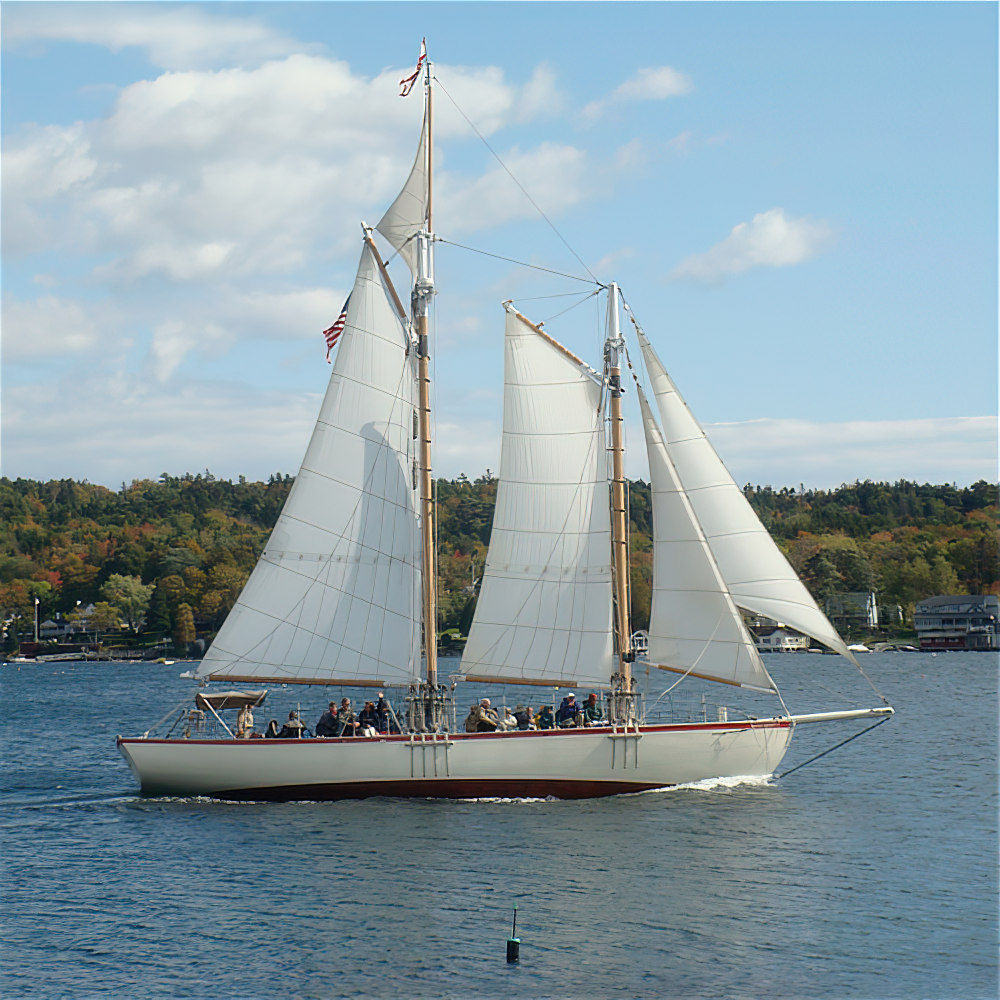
<point>344,592</point>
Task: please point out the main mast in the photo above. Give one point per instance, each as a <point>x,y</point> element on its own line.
<point>423,291</point>
<point>613,348</point>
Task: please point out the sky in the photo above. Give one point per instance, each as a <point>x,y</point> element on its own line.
<point>799,201</point>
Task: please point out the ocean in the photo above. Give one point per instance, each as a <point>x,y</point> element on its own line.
<point>870,873</point>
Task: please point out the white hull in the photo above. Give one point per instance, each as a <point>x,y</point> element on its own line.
<point>574,763</point>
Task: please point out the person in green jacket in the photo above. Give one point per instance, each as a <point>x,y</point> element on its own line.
<point>592,711</point>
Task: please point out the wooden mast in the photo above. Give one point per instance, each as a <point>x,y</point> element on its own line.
<point>423,290</point>
<point>619,507</point>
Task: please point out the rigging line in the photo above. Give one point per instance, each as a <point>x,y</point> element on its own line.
<point>560,295</point>
<point>521,263</point>
<point>496,156</point>
<point>784,774</point>
<point>570,308</point>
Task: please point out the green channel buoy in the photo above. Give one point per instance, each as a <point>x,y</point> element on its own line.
<point>513,942</point>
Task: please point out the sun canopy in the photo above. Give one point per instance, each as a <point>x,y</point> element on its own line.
<point>220,700</point>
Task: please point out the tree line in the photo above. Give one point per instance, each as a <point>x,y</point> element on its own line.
<point>175,553</point>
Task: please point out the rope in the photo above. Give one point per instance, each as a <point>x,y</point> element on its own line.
<point>521,263</point>
<point>496,156</point>
<point>784,774</point>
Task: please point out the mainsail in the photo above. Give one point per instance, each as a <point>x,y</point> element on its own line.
<point>758,576</point>
<point>544,610</point>
<point>694,626</point>
<point>335,596</point>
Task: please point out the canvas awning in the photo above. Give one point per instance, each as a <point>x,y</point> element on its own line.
<point>220,700</point>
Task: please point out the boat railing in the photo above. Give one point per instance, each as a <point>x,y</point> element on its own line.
<point>670,710</point>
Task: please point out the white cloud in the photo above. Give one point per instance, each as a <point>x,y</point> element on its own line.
<point>202,175</point>
<point>174,340</point>
<point>115,431</point>
<point>770,239</point>
<point>654,83</point>
<point>789,452</point>
<point>556,175</point>
<point>174,37</point>
<point>49,328</point>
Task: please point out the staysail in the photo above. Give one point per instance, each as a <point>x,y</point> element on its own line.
<point>335,595</point>
<point>759,577</point>
<point>694,626</point>
<point>544,610</point>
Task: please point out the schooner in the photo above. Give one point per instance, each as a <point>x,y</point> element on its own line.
<point>344,592</point>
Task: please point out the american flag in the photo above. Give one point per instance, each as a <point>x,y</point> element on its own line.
<point>336,330</point>
<point>406,84</point>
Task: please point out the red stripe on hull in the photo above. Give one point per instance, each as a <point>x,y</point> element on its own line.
<point>431,788</point>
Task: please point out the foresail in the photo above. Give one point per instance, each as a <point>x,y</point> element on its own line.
<point>407,215</point>
<point>695,628</point>
<point>544,610</point>
<point>335,595</point>
<point>760,579</point>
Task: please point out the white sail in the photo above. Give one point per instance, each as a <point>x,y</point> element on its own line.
<point>544,610</point>
<point>760,579</point>
<point>694,627</point>
<point>334,596</point>
<point>407,215</point>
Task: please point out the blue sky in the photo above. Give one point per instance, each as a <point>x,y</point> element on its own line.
<point>798,199</point>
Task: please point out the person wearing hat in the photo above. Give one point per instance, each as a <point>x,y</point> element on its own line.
<point>327,725</point>
<point>592,711</point>
<point>569,713</point>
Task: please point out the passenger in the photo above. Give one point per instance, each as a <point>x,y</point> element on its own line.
<point>327,725</point>
<point>271,733</point>
<point>592,712</point>
<point>508,721</point>
<point>385,723</point>
<point>347,720</point>
<point>523,717</point>
<point>472,719</point>
<point>293,729</point>
<point>244,723</point>
<point>487,720</point>
<point>569,713</point>
<point>368,719</point>
<point>545,719</point>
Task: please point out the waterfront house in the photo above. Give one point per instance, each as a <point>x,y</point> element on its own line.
<point>958,621</point>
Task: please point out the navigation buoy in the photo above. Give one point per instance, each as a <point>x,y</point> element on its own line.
<point>513,942</point>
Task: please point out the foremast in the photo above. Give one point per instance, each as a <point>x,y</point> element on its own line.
<point>623,707</point>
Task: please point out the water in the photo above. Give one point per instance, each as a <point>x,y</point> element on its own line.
<point>871,873</point>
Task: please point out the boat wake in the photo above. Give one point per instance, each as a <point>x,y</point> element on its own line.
<point>716,784</point>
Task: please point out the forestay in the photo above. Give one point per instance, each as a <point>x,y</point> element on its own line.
<point>695,628</point>
<point>544,610</point>
<point>334,596</point>
<point>758,576</point>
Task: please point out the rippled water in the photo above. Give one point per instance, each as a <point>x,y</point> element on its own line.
<point>870,873</point>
